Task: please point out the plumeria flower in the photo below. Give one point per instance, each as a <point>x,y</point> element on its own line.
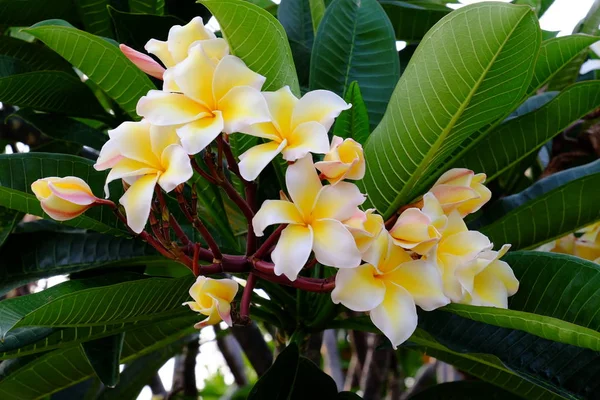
<point>143,62</point>
<point>181,38</point>
<point>212,297</point>
<point>461,189</point>
<point>365,226</point>
<point>487,280</point>
<point>420,229</point>
<point>215,96</point>
<point>389,286</point>
<point>345,160</point>
<point>64,198</point>
<point>296,127</point>
<point>588,245</point>
<point>457,247</point>
<point>564,245</point>
<point>314,221</point>
<point>143,155</point>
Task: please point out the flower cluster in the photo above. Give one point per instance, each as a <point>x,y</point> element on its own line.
<point>428,257</point>
<point>585,244</point>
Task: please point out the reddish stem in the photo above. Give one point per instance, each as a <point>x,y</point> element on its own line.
<point>246,296</point>
<point>183,238</point>
<point>265,271</point>
<point>266,246</point>
<point>202,172</point>
<point>195,268</point>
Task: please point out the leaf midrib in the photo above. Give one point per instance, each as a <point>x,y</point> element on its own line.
<point>441,139</point>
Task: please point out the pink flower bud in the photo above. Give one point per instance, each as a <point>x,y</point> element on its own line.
<point>63,198</point>
<point>461,189</point>
<point>143,62</point>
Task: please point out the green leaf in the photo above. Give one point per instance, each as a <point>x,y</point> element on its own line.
<point>295,17</point>
<point>568,371</point>
<point>63,129</point>
<point>317,10</point>
<point>458,83</point>
<point>555,54</point>
<point>550,212</point>
<point>531,104</point>
<point>514,140</point>
<point>94,15</point>
<point>154,7</point>
<point>15,309</point>
<point>411,21</point>
<point>540,6</point>
<point>116,75</point>
<point>461,390</point>
<point>136,29</point>
<point>18,56</point>
<point>558,299</point>
<point>293,377</point>
<point>8,220</point>
<point>353,123</point>
<point>355,42</point>
<point>137,374</point>
<point>104,355</point>
<point>19,171</point>
<point>253,32</point>
<point>27,12</point>
<point>31,256</point>
<point>138,300</point>
<point>52,91</point>
<point>66,367</point>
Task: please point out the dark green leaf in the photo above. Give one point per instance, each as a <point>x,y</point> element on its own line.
<point>464,390</point>
<point>136,29</point>
<point>19,171</point>
<point>555,54</point>
<point>412,20</point>
<point>27,12</point>
<point>8,220</point>
<point>63,128</point>
<point>52,91</point>
<point>353,123</point>
<point>104,355</point>
<point>155,7</point>
<point>251,33</point>
<point>295,17</point>
<point>355,42</point>
<point>548,209</point>
<point>514,140</point>
<point>102,62</point>
<point>18,56</point>
<point>31,256</point>
<point>278,381</point>
<point>94,15</point>
<point>455,84</point>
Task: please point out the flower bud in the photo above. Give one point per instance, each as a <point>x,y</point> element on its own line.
<point>461,189</point>
<point>143,62</point>
<point>364,227</point>
<point>345,160</point>
<point>212,297</point>
<point>63,198</point>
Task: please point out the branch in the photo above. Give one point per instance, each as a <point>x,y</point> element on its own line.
<point>270,242</point>
<point>265,271</point>
<point>331,357</point>
<point>256,349</point>
<point>246,296</point>
<point>232,353</point>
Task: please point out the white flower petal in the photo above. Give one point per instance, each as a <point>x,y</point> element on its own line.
<point>194,77</point>
<point>243,106</point>
<point>334,245</point>
<point>292,250</point>
<point>177,168</point>
<point>231,72</point>
<point>181,37</point>
<point>255,159</point>
<point>308,137</point>
<point>196,135</point>
<point>396,316</point>
<point>358,289</point>
<point>303,184</point>
<point>275,212</point>
<point>137,201</point>
<point>338,202</point>
<point>281,105</point>
<point>320,106</point>
<point>162,108</point>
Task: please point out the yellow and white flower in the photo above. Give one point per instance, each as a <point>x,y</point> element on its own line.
<point>314,221</point>
<point>212,297</point>
<point>143,155</point>
<point>419,230</point>
<point>587,246</point>
<point>63,198</point>
<point>345,160</point>
<point>365,226</point>
<point>181,38</point>
<point>487,280</point>
<point>456,248</point>
<point>296,127</point>
<point>389,286</point>
<point>213,96</point>
<point>461,189</point>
